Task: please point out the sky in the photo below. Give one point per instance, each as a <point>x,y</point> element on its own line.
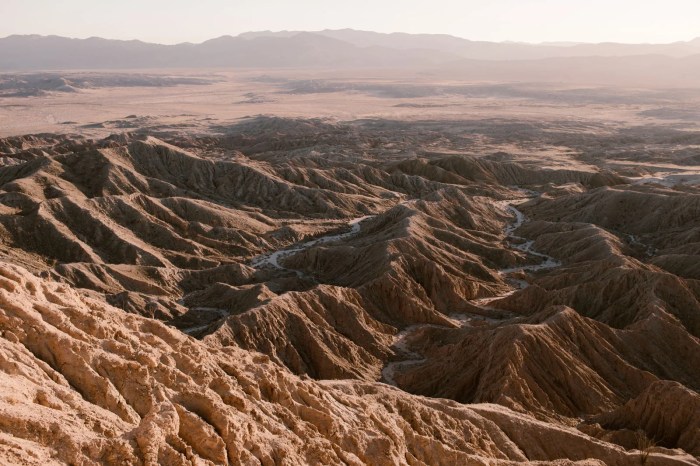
<point>173,21</point>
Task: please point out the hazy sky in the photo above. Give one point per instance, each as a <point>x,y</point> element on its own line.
<point>170,21</point>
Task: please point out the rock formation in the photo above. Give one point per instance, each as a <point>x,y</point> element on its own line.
<point>249,295</point>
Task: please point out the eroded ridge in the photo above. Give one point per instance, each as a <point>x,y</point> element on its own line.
<point>305,291</point>
<point>84,382</point>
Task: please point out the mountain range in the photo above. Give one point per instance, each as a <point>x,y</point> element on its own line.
<point>338,48</point>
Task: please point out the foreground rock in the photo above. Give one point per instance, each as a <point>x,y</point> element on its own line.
<point>85,383</point>
<point>576,312</point>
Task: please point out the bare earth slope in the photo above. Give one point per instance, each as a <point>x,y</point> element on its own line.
<point>307,291</point>
<point>85,383</point>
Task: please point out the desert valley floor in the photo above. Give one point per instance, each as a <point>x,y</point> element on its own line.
<point>304,268</point>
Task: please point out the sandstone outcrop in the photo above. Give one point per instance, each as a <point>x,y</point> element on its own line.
<point>250,294</point>
<point>86,383</point>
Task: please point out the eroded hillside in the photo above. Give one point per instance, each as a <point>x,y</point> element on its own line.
<point>313,292</point>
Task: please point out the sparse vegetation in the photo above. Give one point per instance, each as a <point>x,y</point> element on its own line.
<point>644,445</point>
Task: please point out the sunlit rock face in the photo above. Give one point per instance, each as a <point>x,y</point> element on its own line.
<point>312,291</point>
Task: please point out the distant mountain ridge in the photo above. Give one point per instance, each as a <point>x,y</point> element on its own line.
<point>34,52</point>
<point>483,50</point>
<point>676,64</point>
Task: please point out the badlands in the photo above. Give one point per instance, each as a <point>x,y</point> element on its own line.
<point>300,267</point>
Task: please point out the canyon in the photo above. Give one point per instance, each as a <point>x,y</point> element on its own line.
<point>265,268</point>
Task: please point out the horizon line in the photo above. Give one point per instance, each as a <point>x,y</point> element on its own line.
<point>563,42</point>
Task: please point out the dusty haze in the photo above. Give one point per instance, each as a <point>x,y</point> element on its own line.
<point>345,247</point>
<point>533,21</point>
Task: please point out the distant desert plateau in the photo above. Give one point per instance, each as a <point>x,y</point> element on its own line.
<point>284,266</point>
